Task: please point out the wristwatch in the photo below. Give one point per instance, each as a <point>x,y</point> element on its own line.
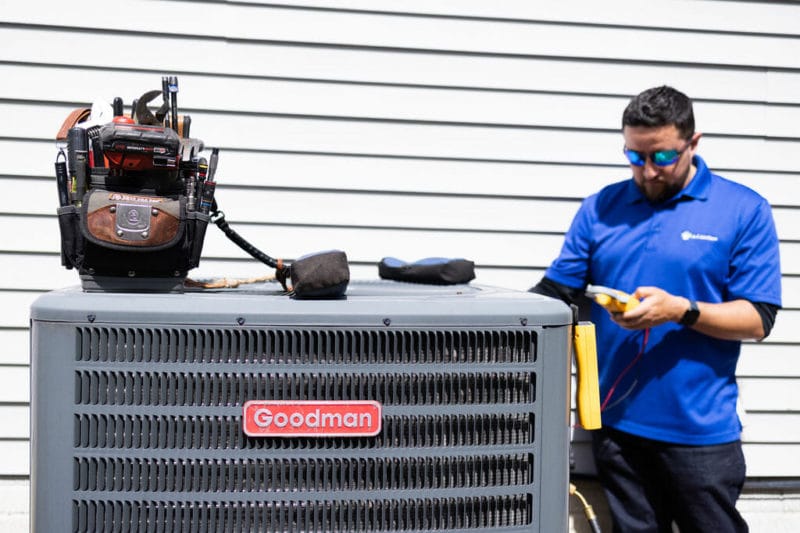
<point>691,315</point>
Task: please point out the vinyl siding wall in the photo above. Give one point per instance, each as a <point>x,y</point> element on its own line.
<point>411,129</point>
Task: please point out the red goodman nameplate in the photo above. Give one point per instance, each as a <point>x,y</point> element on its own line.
<point>311,418</point>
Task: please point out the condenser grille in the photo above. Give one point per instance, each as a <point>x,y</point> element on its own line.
<point>227,388</point>
<point>302,346</point>
<point>119,431</point>
<point>343,516</point>
<point>300,474</point>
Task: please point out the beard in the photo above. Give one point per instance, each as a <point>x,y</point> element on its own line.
<point>658,192</point>
<point>661,190</point>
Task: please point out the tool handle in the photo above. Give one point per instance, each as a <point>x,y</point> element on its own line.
<point>212,164</point>
<point>588,395</point>
<point>62,181</point>
<point>118,106</point>
<point>78,155</point>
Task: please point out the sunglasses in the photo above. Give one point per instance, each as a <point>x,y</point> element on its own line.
<point>660,158</point>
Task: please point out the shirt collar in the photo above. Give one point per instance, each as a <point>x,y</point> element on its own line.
<point>697,188</point>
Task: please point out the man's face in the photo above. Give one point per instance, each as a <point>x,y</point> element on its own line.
<point>659,183</point>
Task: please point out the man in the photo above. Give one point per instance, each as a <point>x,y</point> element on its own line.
<point>701,253</point>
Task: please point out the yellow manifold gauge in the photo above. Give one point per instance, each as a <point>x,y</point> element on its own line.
<point>612,300</point>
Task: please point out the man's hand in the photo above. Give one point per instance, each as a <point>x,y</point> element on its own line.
<point>657,307</point>
<point>734,320</point>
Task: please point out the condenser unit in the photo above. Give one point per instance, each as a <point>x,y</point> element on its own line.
<point>410,408</point>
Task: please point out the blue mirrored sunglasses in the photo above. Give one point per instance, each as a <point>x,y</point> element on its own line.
<point>660,158</point>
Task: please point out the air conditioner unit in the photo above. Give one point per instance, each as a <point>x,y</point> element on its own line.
<point>138,411</point>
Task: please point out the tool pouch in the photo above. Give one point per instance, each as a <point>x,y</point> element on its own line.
<point>131,235</point>
<point>320,275</point>
<point>431,270</point>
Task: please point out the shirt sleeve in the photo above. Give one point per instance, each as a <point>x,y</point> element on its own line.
<point>755,272</point>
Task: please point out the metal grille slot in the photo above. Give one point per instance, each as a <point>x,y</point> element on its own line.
<point>223,389</point>
<point>303,474</point>
<point>302,346</point>
<point>225,432</point>
<point>301,516</point>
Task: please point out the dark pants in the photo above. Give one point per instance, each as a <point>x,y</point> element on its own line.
<point>650,483</point>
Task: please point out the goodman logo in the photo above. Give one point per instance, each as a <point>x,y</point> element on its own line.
<point>311,418</point>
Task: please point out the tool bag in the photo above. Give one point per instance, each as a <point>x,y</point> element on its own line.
<point>129,201</point>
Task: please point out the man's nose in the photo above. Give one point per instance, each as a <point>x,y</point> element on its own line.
<point>650,169</point>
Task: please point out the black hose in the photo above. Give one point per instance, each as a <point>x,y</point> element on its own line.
<point>282,272</point>
<point>218,218</point>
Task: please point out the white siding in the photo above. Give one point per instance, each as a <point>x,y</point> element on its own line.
<point>455,128</point>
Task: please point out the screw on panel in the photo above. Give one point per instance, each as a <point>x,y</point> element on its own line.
<point>240,321</point>
<point>523,321</point>
<point>387,321</point>
<point>91,318</point>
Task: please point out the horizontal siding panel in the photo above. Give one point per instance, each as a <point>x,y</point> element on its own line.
<point>15,420</point>
<point>771,427</point>
<point>759,428</point>
<point>15,313</point>
<point>764,359</point>
<point>532,73</point>
<point>44,272</point>
<point>370,209</point>
<point>34,272</point>
<point>16,345</point>
<point>772,460</point>
<point>384,210</point>
<point>15,457</point>
<point>763,460</point>
<point>397,103</point>
<point>420,140</point>
<point>14,386</point>
<point>425,33</point>
<point>741,17</point>
<point>786,327</point>
<point>361,244</point>
<point>769,394</point>
<point>308,171</point>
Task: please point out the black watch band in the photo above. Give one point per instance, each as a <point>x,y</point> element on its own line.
<point>691,315</point>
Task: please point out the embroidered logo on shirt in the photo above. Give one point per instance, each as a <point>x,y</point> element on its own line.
<point>687,235</point>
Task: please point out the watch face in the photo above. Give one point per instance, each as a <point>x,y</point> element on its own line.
<point>691,315</point>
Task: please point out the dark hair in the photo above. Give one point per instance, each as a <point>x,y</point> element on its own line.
<point>660,106</point>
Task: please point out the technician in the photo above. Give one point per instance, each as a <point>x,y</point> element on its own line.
<point>701,253</point>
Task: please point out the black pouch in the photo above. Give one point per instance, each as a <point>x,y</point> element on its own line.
<point>431,270</point>
<point>320,275</point>
<point>131,235</point>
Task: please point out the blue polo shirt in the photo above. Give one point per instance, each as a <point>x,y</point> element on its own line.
<point>715,241</point>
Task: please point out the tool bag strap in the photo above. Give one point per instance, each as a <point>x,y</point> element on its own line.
<point>75,117</point>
